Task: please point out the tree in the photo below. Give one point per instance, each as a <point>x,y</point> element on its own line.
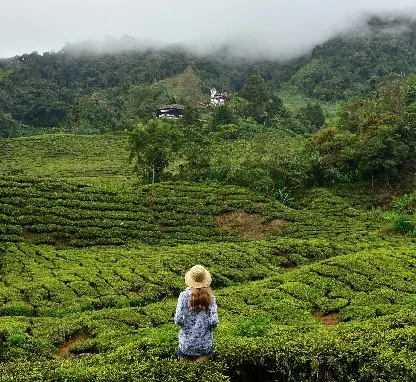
<point>191,116</point>
<point>255,90</point>
<point>140,104</point>
<point>382,153</point>
<point>256,93</point>
<point>408,122</point>
<point>312,117</point>
<point>390,91</point>
<point>263,105</point>
<point>222,115</point>
<point>9,127</point>
<point>93,114</point>
<point>375,137</point>
<point>273,106</point>
<point>238,106</point>
<point>189,88</point>
<point>74,117</point>
<point>196,153</point>
<point>152,146</point>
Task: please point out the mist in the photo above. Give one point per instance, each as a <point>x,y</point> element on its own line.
<point>264,28</point>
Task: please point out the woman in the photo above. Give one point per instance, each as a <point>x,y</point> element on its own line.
<point>196,313</point>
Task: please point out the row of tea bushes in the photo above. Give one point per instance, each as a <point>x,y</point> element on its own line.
<point>77,215</point>
<point>380,349</point>
<point>353,286</point>
<point>356,286</point>
<point>323,213</point>
<point>96,158</point>
<point>64,214</point>
<point>42,280</point>
<point>268,328</point>
<point>149,370</point>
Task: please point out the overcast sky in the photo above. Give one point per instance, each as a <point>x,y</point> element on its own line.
<point>272,27</point>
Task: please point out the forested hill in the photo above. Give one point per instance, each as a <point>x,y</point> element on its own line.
<point>350,64</point>
<point>42,90</point>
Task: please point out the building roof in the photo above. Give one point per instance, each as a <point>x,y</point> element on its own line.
<point>172,106</point>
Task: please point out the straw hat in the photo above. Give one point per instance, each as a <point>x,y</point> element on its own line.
<point>198,277</point>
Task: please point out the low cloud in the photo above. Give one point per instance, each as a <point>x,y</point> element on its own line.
<point>265,28</point>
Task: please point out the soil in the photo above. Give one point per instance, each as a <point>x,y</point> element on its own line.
<point>29,236</point>
<point>328,319</point>
<point>290,268</point>
<point>62,242</point>
<point>249,226</point>
<point>64,350</point>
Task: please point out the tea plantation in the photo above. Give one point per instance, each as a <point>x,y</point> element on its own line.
<point>90,273</point>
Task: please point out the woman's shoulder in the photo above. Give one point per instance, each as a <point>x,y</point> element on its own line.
<point>185,292</point>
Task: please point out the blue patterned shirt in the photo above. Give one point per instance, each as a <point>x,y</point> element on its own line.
<point>195,335</point>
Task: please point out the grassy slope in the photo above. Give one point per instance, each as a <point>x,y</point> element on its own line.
<point>101,159</point>
<point>294,100</point>
<point>273,295</point>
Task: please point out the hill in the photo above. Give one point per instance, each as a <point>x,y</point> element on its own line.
<point>298,198</point>
<point>90,273</point>
<point>42,90</point>
<point>98,159</point>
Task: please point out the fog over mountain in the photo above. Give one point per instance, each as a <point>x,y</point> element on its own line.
<point>266,28</point>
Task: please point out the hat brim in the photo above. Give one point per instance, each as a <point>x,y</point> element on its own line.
<point>193,284</point>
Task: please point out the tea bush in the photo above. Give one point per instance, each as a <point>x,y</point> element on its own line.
<point>89,279</point>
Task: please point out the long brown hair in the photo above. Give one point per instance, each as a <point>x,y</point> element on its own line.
<point>200,298</point>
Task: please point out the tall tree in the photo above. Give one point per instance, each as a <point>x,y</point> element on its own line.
<point>191,116</point>
<point>262,104</point>
<point>152,146</point>
<point>93,114</point>
<point>312,117</point>
<point>189,88</point>
<point>222,115</point>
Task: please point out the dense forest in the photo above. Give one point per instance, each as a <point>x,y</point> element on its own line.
<point>42,90</point>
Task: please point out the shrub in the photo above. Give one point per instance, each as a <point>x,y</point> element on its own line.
<point>16,308</point>
<point>403,223</point>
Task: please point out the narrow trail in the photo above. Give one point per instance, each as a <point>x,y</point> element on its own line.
<point>64,350</point>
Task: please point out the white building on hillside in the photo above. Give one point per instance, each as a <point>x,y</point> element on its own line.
<point>218,98</point>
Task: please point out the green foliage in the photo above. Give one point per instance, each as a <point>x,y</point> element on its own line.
<point>346,65</point>
<point>141,103</point>
<point>189,88</point>
<point>93,114</point>
<point>16,308</point>
<point>89,275</point>
<point>196,153</point>
<point>406,203</point>
<point>403,223</point>
<point>222,115</point>
<point>267,329</point>
<point>252,327</point>
<point>401,218</point>
<point>269,162</point>
<point>191,117</point>
<point>98,159</point>
<point>283,195</point>
<point>382,154</point>
<point>48,90</point>
<point>9,127</point>
<point>263,105</point>
<point>369,142</point>
<point>312,117</point>
<point>118,301</point>
<point>152,147</point>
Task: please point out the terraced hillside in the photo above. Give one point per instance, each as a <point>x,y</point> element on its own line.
<point>63,214</point>
<point>336,319</point>
<point>90,273</point>
<point>98,159</point>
